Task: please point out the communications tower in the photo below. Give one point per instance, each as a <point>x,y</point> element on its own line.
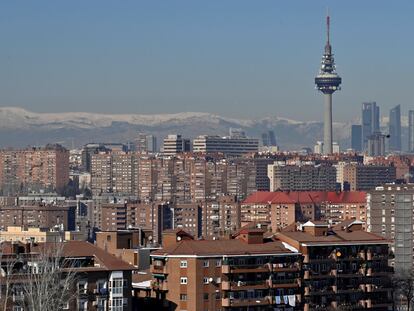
<point>328,81</point>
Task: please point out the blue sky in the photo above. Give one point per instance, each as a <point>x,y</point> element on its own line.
<point>232,57</point>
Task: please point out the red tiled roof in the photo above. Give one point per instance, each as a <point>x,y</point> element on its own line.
<point>305,197</point>
<point>221,247</point>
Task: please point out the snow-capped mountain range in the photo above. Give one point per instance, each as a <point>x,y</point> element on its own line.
<point>20,127</point>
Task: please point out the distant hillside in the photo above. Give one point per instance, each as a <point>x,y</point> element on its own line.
<point>20,127</point>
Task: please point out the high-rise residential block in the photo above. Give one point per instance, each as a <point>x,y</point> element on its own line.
<point>390,214</point>
<point>395,129</point>
<point>366,177</point>
<point>301,176</point>
<point>34,169</point>
<point>221,217</point>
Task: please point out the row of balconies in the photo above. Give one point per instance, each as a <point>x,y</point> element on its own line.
<point>255,268</point>
<point>251,285</point>
<point>246,302</point>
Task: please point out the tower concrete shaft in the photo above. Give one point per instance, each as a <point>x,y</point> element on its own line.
<point>328,81</point>
<point>327,125</point>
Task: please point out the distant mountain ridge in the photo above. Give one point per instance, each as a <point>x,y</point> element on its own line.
<point>20,127</point>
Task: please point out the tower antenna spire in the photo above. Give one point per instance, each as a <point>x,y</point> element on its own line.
<point>328,25</point>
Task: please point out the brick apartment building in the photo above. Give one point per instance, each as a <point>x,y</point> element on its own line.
<point>220,217</point>
<point>311,267</point>
<point>183,178</point>
<point>34,169</point>
<point>343,267</point>
<point>102,281</point>
<point>243,273</point>
<point>38,215</point>
<point>280,209</point>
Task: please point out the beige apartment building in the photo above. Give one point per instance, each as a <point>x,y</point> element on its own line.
<point>38,235</point>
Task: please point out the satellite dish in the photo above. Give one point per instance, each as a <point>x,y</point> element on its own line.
<point>210,280</point>
<point>178,238</point>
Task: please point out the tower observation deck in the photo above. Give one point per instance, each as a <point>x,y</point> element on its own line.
<point>328,81</point>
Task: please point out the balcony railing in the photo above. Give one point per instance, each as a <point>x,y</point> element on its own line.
<point>243,285</point>
<point>227,269</point>
<point>155,269</point>
<point>246,302</point>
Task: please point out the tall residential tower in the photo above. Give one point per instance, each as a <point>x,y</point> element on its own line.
<point>328,81</point>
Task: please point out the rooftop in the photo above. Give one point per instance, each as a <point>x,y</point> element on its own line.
<point>217,248</point>
<point>305,197</point>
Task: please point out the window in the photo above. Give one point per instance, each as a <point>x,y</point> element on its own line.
<point>205,280</point>
<point>183,280</point>
<point>82,287</point>
<point>183,264</point>
<point>218,263</point>
<point>117,285</point>
<point>205,263</point>
<point>205,295</point>
<point>117,304</point>
<point>82,305</point>
<point>183,297</point>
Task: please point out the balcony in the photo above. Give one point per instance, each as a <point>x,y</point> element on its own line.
<point>282,283</point>
<point>243,285</point>
<point>285,268</point>
<point>228,269</point>
<point>158,269</point>
<point>246,302</point>
<point>159,286</point>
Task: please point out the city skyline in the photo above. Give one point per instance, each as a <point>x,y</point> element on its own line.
<point>237,60</point>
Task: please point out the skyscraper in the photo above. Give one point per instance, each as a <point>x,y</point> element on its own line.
<point>356,137</point>
<point>411,130</point>
<point>395,128</point>
<point>370,121</point>
<point>328,81</point>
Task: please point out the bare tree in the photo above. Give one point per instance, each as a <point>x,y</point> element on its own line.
<point>50,280</point>
<point>403,284</point>
<point>7,268</point>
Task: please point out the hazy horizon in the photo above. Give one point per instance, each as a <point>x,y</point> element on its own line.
<point>233,58</point>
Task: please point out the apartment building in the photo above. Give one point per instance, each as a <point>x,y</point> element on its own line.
<point>39,235</point>
<point>229,146</point>
<point>301,176</point>
<point>34,169</point>
<point>280,209</point>
<point>344,267</point>
<point>48,216</point>
<point>220,217</point>
<point>243,273</point>
<point>390,214</point>
<point>113,172</point>
<point>103,281</point>
<point>359,177</point>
